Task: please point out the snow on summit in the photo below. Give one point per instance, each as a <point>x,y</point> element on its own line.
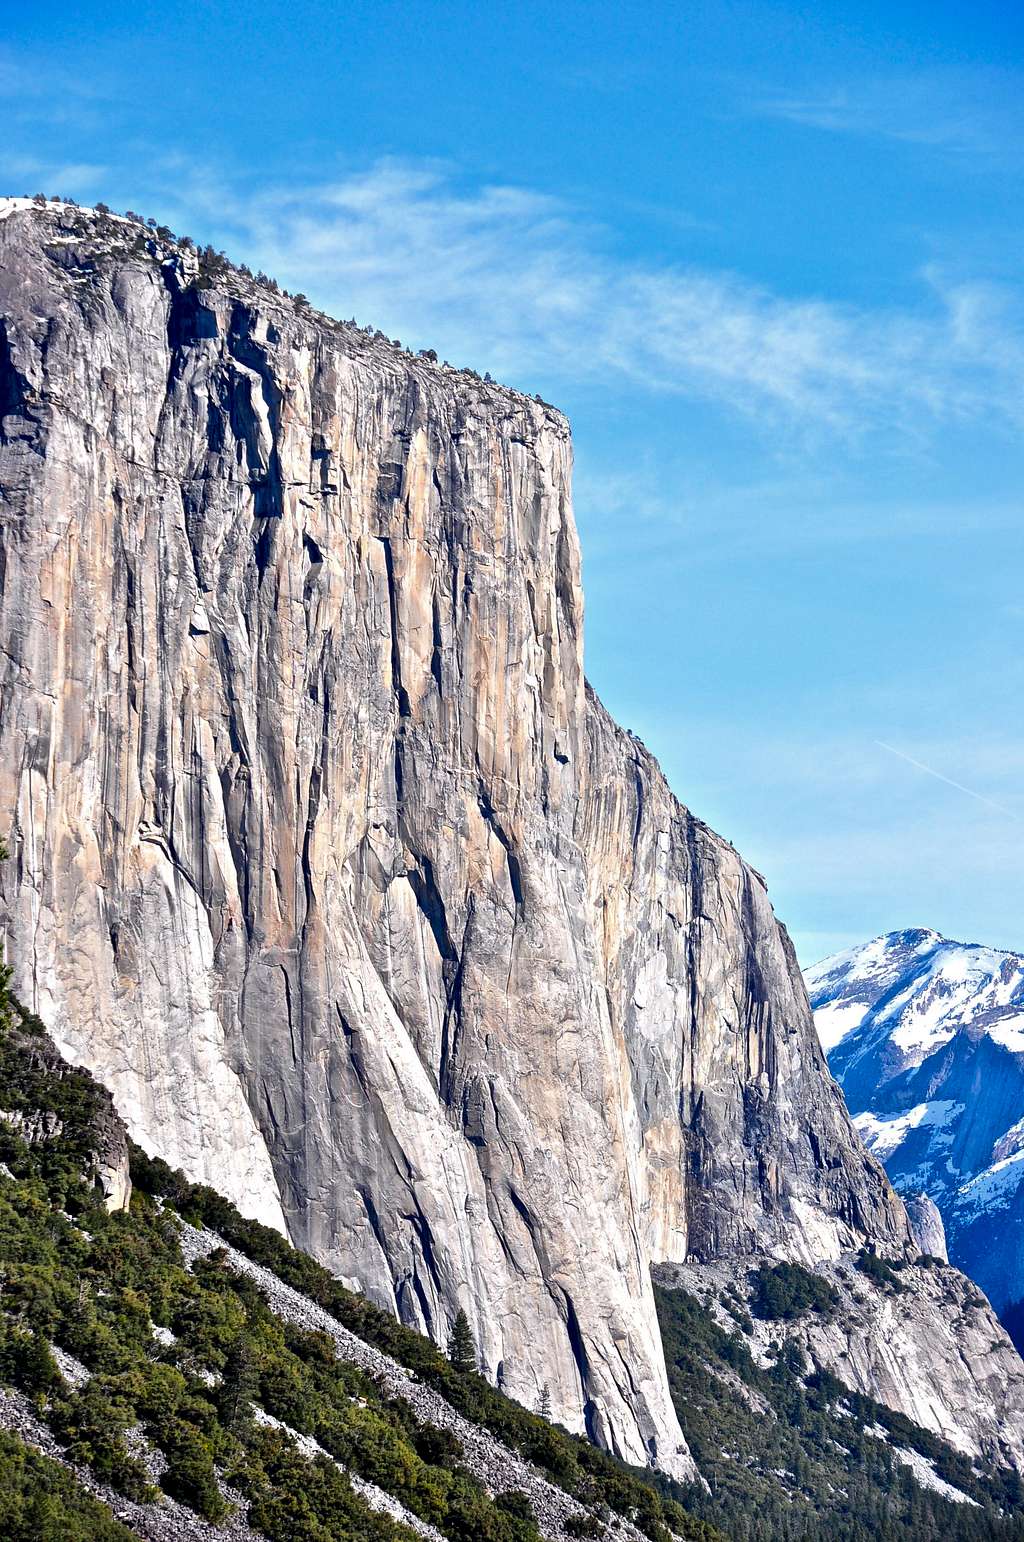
<point>919,989</point>
<point>926,1037</point>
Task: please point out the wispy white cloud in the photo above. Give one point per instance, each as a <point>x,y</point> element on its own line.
<point>533,288</point>
<point>31,174</point>
<point>527,285</point>
<point>964,113</point>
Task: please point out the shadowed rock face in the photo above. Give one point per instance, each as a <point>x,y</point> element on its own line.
<point>327,861</point>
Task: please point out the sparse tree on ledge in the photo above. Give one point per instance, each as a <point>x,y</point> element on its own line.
<point>461,1348</point>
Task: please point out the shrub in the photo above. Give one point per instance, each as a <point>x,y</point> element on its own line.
<point>190,1474</point>
<point>27,1361</point>
<point>880,1270</point>
<point>41,1502</point>
<point>92,1426</point>
<point>583,1526</point>
<point>783,1292</point>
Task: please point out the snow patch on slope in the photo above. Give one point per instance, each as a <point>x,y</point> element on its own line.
<point>993,1189</point>
<point>14,205</point>
<point>837,1019</point>
<point>920,989</point>
<point>884,1136</point>
<point>1009,1033</point>
<point>10,206</point>
<point>926,1038</point>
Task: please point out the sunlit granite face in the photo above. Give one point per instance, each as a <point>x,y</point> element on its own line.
<point>326,859</point>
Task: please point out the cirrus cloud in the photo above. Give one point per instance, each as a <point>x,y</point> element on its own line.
<point>530,287</point>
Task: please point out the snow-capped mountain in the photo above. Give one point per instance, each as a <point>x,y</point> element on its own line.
<point>926,1037</point>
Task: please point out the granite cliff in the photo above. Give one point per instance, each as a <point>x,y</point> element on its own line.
<point>328,862</point>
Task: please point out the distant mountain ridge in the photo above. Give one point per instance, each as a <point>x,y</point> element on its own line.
<point>926,1037</point>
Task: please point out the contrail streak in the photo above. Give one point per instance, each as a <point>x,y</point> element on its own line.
<point>989,802</point>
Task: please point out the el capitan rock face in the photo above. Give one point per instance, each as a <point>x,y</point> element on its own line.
<point>328,862</point>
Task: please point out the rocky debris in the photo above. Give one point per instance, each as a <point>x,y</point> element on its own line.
<point>926,1477</point>
<point>494,1465</point>
<point>387,1504</point>
<point>71,1368</point>
<point>155,1462</point>
<point>375,1497</point>
<point>337,872</point>
<point>166,1521</point>
<point>33,1127</point>
<point>927,1345</point>
<point>754,1401</point>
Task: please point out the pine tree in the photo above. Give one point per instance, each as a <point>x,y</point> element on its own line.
<point>45,1519</point>
<point>461,1349</point>
<point>239,1385</point>
<point>544,1406</point>
<point>34,1367</point>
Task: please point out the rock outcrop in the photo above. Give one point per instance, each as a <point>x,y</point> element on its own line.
<point>926,1225</point>
<point>927,1344</point>
<point>331,865</point>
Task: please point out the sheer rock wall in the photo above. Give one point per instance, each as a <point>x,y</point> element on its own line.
<point>327,861</point>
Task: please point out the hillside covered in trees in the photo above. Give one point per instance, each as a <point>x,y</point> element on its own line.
<point>158,1354</point>
<point>189,1374</point>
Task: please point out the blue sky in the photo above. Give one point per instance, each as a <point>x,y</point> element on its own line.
<point>768,259</point>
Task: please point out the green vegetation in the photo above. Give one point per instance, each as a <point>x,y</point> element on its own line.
<point>461,1349</point>
<point>41,1502</point>
<point>28,1084</point>
<point>99,1285</point>
<point>589,1474</point>
<point>783,1292</point>
<point>881,1271</point>
<point>796,1456</point>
